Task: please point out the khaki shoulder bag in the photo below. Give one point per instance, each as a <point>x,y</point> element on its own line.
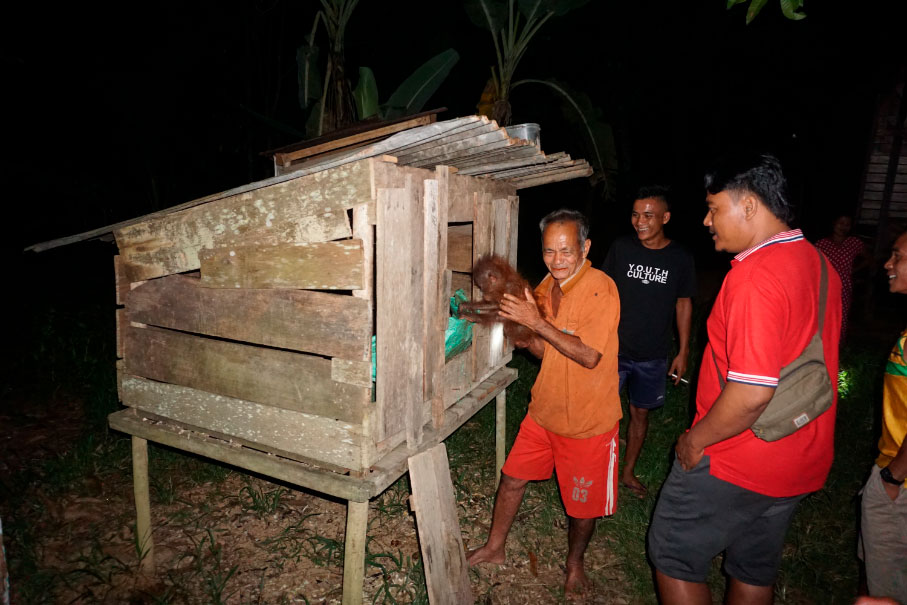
<point>804,391</point>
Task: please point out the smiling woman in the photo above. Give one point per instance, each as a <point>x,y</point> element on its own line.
<point>896,266</point>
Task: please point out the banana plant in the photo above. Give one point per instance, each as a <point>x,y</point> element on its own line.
<point>790,8</point>
<point>330,100</point>
<point>334,108</point>
<point>513,24</point>
<point>410,96</point>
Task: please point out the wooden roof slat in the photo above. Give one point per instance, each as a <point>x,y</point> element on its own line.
<point>464,131</point>
<point>389,145</point>
<point>535,169</point>
<point>285,159</point>
<point>474,144</point>
<point>562,175</point>
<point>447,148</point>
<point>479,169</point>
<point>502,155</point>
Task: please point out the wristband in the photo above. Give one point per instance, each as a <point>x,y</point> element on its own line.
<point>887,477</point>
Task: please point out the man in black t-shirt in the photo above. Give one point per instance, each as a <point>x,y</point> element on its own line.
<point>655,279</point>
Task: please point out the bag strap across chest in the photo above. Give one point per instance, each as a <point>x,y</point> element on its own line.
<point>820,320</point>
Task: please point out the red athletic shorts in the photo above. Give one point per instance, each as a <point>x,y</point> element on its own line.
<point>586,468</point>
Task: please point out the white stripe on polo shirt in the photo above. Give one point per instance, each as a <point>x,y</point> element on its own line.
<point>784,237</point>
<point>753,379</point>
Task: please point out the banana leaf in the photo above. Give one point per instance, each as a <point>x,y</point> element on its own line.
<point>790,8</point>
<point>579,110</point>
<point>487,14</point>
<point>538,8</point>
<point>753,10</point>
<point>308,76</point>
<point>366,94</point>
<point>412,95</point>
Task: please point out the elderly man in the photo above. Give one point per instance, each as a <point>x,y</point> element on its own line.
<point>730,490</point>
<point>575,408</point>
<point>883,530</point>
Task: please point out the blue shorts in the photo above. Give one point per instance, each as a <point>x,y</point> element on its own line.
<point>645,381</point>
<point>698,516</point>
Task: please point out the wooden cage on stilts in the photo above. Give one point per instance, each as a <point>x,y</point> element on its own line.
<point>246,320</point>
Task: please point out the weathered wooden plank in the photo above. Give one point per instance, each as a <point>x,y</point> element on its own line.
<point>896,188</point>
<point>283,379</point>
<point>399,335</point>
<point>461,281</point>
<point>464,191</point>
<point>463,139</point>
<point>121,321</point>
<point>348,371</point>
<point>539,169</point>
<point>315,437</point>
<point>322,266</point>
<point>143,537</point>
<point>501,227</point>
<point>879,159</point>
<point>119,277</point>
<point>442,298</point>
<point>877,196</point>
<point>179,253</point>
<point>483,243</point>
<point>456,375</point>
<point>503,159</point>
<point>514,227</point>
<point>455,134</point>
<point>334,325</point>
<point>364,231</point>
<point>433,266</point>
<point>393,464</point>
<point>354,552</point>
<point>469,145</point>
<point>878,177</point>
<point>286,158</point>
<point>435,505</point>
<point>459,248</point>
<point>502,240</point>
<point>554,177</point>
<point>500,433</point>
<point>462,196</point>
<point>155,428</point>
<point>305,209</point>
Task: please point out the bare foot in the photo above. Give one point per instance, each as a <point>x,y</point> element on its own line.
<point>635,486</point>
<point>577,583</point>
<point>485,554</point>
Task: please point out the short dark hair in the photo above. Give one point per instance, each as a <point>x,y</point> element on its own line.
<point>565,215</point>
<point>659,192</point>
<point>758,174</point>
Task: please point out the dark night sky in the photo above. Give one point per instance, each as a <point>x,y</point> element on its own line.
<point>114,114</point>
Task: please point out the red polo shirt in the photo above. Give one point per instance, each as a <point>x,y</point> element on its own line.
<point>763,318</point>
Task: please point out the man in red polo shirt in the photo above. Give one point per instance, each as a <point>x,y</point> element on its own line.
<point>729,490</point>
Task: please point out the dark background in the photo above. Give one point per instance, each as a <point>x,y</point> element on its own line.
<point>114,110</point>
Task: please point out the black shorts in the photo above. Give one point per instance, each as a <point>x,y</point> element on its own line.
<point>645,381</point>
<point>699,516</point>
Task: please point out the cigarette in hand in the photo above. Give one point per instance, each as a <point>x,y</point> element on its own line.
<point>683,380</point>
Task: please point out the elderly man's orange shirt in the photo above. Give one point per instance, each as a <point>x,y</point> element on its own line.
<point>567,398</point>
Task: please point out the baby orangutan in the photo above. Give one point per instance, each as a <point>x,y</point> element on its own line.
<point>495,277</point>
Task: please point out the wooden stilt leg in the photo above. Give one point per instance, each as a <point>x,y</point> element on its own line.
<point>500,430</point>
<point>142,503</point>
<point>354,552</point>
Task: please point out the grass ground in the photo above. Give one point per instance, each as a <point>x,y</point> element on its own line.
<point>65,501</point>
